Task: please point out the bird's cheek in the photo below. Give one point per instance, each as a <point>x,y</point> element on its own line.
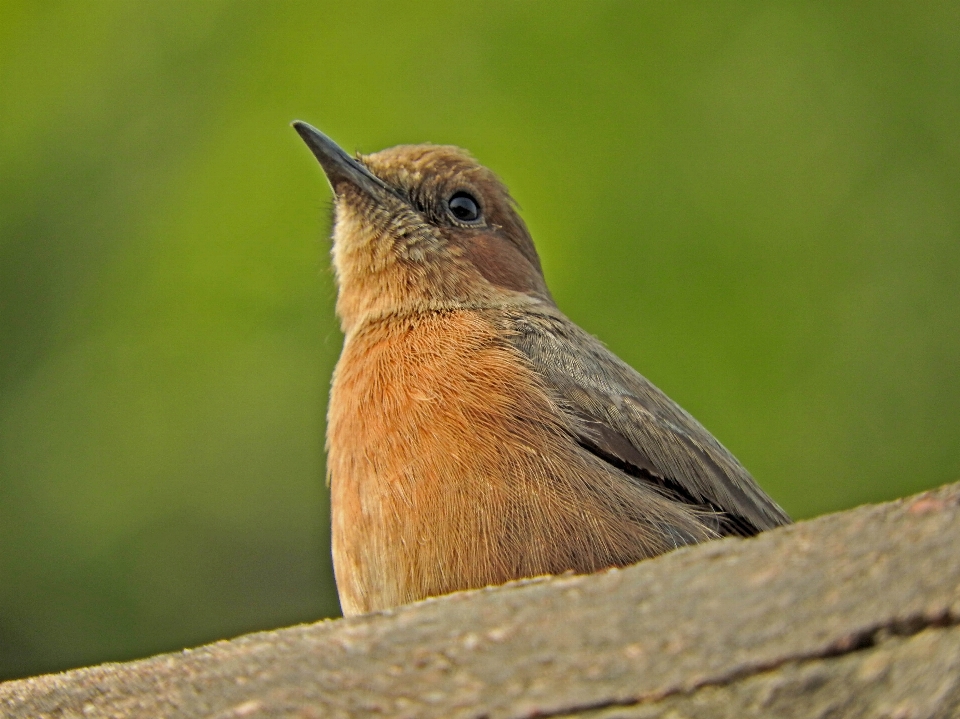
<point>501,263</point>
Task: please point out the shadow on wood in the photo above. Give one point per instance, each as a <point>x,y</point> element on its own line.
<point>852,614</point>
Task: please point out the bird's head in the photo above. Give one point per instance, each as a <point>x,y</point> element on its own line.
<point>420,228</point>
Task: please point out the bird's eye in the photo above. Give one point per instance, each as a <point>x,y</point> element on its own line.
<point>464,207</point>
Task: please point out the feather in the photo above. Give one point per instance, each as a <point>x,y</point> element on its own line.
<point>623,418</point>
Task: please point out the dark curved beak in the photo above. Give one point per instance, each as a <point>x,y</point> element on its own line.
<point>337,164</point>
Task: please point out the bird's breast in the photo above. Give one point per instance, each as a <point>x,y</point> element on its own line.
<point>428,420</point>
<point>451,467</point>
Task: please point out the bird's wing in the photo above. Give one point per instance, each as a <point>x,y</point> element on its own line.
<point>621,417</point>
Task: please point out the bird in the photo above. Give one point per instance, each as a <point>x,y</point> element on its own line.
<point>476,435</point>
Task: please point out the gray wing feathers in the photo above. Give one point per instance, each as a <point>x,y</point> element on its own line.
<point>620,415</point>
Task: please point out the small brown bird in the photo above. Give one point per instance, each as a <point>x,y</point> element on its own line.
<point>475,434</point>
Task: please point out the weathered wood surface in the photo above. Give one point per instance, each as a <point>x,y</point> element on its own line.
<point>850,615</point>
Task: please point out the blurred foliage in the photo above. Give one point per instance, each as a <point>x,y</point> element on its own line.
<point>755,204</point>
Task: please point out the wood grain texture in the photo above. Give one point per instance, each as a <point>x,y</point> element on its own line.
<point>852,614</point>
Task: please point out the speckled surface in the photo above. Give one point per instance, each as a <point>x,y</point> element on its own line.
<point>855,611</point>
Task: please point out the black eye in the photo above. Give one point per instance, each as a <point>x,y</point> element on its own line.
<point>464,207</point>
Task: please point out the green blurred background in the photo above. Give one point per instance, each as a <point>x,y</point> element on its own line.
<point>756,204</point>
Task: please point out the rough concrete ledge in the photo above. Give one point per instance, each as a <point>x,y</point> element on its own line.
<point>853,614</point>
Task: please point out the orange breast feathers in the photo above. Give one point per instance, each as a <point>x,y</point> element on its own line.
<point>451,467</point>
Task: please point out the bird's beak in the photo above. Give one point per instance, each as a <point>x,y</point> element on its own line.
<point>338,165</point>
